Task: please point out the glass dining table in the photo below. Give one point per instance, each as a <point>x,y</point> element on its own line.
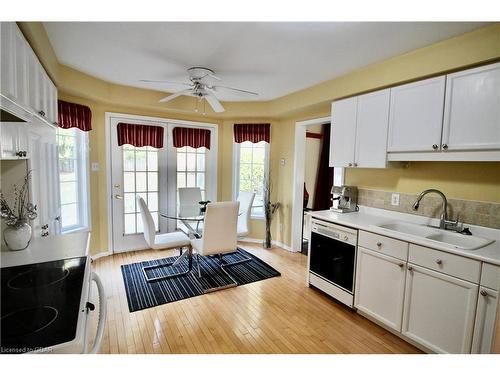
<point>192,230</point>
<point>191,223</point>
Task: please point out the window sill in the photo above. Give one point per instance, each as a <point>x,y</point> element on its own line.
<point>257,217</point>
<point>75,230</point>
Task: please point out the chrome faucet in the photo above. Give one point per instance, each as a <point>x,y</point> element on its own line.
<point>444,223</point>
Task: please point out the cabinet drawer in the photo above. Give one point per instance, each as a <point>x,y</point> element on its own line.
<point>490,276</point>
<point>384,245</point>
<point>454,265</point>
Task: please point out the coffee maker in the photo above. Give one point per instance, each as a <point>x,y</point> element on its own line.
<point>344,199</point>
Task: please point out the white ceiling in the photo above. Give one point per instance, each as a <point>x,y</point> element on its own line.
<point>273,59</point>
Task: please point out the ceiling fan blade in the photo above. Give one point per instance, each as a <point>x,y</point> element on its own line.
<point>214,102</point>
<point>234,89</point>
<point>169,82</point>
<point>175,95</point>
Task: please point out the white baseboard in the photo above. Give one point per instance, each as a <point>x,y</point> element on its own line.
<point>101,254</point>
<point>260,241</point>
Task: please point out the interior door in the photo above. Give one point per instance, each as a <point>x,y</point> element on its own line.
<point>135,171</point>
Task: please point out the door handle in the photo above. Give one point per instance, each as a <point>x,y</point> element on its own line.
<point>118,196</point>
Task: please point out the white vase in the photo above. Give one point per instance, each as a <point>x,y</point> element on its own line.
<point>17,237</point>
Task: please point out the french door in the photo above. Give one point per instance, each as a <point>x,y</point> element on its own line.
<point>155,175</point>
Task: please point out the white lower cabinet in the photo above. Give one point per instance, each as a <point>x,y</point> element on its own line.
<point>380,284</point>
<point>439,310</point>
<point>484,326</point>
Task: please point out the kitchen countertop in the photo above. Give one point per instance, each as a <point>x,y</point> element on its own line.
<point>369,219</point>
<point>47,249</point>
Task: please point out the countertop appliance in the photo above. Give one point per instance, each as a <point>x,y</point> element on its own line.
<point>332,259</point>
<point>344,198</point>
<point>45,299</point>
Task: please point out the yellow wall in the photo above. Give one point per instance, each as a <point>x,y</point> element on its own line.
<point>458,180</point>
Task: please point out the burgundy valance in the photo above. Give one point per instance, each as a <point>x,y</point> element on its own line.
<point>140,135</point>
<point>254,133</point>
<point>192,137</point>
<point>71,115</point>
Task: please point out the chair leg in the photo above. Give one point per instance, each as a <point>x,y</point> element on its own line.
<point>158,278</point>
<point>198,263</point>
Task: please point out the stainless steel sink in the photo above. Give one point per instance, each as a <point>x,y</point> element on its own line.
<point>440,236</point>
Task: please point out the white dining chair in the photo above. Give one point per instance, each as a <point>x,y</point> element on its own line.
<point>155,241</point>
<point>189,201</point>
<point>246,200</point>
<point>219,236</point>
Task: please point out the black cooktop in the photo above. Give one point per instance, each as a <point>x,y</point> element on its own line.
<point>40,304</point>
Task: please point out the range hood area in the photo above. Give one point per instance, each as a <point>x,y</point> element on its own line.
<point>10,111</point>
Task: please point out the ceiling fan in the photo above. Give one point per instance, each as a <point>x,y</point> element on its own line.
<point>201,88</point>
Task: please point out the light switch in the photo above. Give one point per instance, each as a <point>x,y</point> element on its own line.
<point>282,161</point>
<point>395,199</point>
<point>95,167</point>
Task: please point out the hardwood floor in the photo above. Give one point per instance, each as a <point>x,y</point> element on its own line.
<point>278,315</point>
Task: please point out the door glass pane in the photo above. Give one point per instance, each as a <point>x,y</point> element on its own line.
<point>191,169</point>
<point>129,202</point>
<point>140,179</point>
<point>128,181</point>
<point>140,160</point>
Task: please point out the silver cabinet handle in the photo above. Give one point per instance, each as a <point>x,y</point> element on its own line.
<point>444,146</point>
<point>350,164</point>
<point>401,265</point>
<point>410,268</point>
<point>355,164</point>
<point>379,244</point>
<point>118,196</point>
<point>435,146</point>
<point>484,293</point>
<point>439,261</point>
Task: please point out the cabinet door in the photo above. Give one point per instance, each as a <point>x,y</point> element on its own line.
<point>439,310</point>
<point>7,63</point>
<point>472,109</point>
<point>372,121</point>
<point>484,327</point>
<point>343,132</point>
<point>416,116</point>
<point>21,71</point>
<point>33,80</point>
<point>43,92</point>
<point>380,285</point>
<point>9,135</point>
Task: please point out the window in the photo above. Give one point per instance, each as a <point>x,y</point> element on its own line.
<point>250,172</point>
<point>73,179</point>
<point>140,178</point>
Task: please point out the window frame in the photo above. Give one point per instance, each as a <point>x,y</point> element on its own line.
<point>83,181</point>
<point>236,173</point>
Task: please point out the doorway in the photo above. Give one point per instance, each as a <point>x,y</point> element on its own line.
<point>155,175</point>
<point>299,164</point>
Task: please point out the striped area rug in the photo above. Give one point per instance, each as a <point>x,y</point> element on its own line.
<point>142,294</point>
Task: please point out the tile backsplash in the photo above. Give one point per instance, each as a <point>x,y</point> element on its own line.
<point>486,214</point>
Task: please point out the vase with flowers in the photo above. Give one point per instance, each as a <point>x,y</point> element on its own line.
<point>17,215</point>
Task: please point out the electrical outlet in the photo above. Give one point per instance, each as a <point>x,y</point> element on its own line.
<point>95,167</point>
<point>395,199</point>
<point>282,161</point>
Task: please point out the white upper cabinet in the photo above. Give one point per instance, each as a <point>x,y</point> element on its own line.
<point>472,110</point>
<point>416,116</point>
<point>24,80</point>
<point>343,132</point>
<point>8,61</point>
<point>371,130</point>
<point>359,131</point>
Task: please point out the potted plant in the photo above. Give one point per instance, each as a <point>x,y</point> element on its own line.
<point>270,209</point>
<point>17,234</point>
